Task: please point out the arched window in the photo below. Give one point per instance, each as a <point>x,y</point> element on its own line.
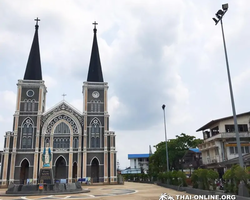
<point>99,106</point>
<point>25,105</point>
<point>92,142</point>
<point>54,143</point>
<point>62,128</point>
<point>91,106</point>
<point>62,136</point>
<point>97,142</point>
<point>95,134</point>
<point>27,133</point>
<point>29,105</point>
<point>75,143</point>
<point>29,142</point>
<point>33,105</point>
<point>24,142</point>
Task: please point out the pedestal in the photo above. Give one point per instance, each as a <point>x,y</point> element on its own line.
<point>46,176</point>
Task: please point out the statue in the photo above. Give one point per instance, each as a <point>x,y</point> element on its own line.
<point>46,157</point>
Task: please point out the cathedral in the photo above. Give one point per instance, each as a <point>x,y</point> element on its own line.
<point>81,143</point>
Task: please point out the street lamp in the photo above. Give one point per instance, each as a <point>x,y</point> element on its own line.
<point>163,108</point>
<point>219,16</point>
<point>242,188</point>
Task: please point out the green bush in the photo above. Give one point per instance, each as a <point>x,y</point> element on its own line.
<point>174,177</point>
<point>204,179</point>
<point>233,176</point>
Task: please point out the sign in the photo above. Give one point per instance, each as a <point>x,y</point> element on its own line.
<point>234,145</point>
<point>45,174</point>
<point>40,186</point>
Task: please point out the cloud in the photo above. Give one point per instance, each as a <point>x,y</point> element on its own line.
<point>50,82</point>
<point>8,100</point>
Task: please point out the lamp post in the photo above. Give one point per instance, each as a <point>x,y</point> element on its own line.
<point>242,188</point>
<point>219,16</point>
<point>190,167</point>
<point>163,108</point>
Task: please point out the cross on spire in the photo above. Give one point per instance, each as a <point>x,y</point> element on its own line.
<point>64,95</point>
<point>95,23</point>
<point>37,20</point>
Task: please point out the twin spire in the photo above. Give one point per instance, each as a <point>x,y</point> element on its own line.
<point>34,70</point>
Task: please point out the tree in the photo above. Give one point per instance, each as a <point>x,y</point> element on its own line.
<point>176,150</point>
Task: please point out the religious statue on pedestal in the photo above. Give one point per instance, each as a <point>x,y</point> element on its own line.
<point>46,157</point>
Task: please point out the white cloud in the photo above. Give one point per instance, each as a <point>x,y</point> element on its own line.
<point>50,82</point>
<point>152,53</point>
<point>8,100</point>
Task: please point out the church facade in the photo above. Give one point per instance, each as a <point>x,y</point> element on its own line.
<point>81,143</point>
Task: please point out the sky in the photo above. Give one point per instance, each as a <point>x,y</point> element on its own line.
<point>152,53</point>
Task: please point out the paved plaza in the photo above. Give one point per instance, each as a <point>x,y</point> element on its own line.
<point>133,191</point>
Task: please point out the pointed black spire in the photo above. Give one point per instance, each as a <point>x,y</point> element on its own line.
<point>33,68</point>
<point>95,68</point>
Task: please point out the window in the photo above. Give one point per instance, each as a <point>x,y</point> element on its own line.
<point>33,105</point>
<point>229,128</point>
<point>247,149</point>
<point>75,143</point>
<point>207,153</point>
<point>62,128</point>
<point>99,106</point>
<point>25,105</point>
<point>92,142</point>
<point>242,149</point>
<point>97,142</point>
<point>95,106</point>
<point>243,127</point>
<point>236,150</point>
<point>231,150</point>
<point>29,105</point>
<point>27,133</point>
<point>24,142</point>
<point>91,106</point>
<point>95,134</point>
<point>215,130</point>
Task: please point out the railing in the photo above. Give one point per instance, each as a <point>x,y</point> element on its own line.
<point>224,135</point>
<point>210,160</point>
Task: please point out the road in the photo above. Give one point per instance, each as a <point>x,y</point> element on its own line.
<point>130,190</point>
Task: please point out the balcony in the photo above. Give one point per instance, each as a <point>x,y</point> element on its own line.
<point>212,160</point>
<point>224,135</point>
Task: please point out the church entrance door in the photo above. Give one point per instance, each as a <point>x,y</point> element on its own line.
<point>24,172</point>
<point>61,169</point>
<point>95,171</point>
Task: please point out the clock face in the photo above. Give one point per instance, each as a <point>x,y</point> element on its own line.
<point>30,93</point>
<point>95,94</point>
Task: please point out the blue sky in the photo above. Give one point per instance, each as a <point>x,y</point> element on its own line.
<point>152,53</point>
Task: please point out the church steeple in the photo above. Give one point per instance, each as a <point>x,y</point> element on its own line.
<point>95,68</point>
<point>33,68</point>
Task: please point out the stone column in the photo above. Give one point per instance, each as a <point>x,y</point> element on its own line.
<point>36,154</point>
<point>79,159</point>
<point>105,157</point>
<point>41,152</point>
<point>6,159</point>
<point>84,162</point>
<point>13,156</point>
<point>112,157</point>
